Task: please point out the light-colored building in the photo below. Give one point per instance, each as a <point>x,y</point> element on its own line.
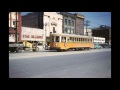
<point>89,31</point>
<point>13,17</point>
<point>52,23</point>
<point>99,40</point>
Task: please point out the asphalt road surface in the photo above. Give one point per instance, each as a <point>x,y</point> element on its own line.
<point>73,64</point>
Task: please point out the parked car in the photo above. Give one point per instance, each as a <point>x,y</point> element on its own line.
<point>106,45</point>
<point>97,46</point>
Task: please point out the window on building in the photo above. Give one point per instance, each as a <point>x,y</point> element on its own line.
<point>69,22</point>
<point>14,22</point>
<point>72,23</point>
<point>69,31</point>
<point>65,21</point>
<point>65,30</point>
<point>54,30</point>
<point>72,31</point>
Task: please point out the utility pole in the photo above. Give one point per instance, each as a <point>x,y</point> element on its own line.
<point>45,34</point>
<point>87,24</point>
<point>16,27</point>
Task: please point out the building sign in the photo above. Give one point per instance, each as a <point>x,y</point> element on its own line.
<point>53,23</point>
<point>31,34</point>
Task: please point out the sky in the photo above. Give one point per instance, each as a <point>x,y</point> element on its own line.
<point>96,18</point>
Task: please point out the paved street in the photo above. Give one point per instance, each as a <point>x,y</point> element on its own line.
<point>72,64</point>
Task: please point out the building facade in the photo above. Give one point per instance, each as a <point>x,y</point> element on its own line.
<point>33,20</point>
<point>48,21</point>
<point>89,31</point>
<point>102,32</point>
<point>79,26</point>
<point>13,18</point>
<point>68,23</point>
<point>52,23</point>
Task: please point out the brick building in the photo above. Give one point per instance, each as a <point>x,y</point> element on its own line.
<point>79,28</point>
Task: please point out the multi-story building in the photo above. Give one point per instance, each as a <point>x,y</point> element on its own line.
<point>102,32</point>
<point>68,22</point>
<point>33,20</point>
<point>52,23</point>
<point>79,26</point>
<point>13,18</point>
<point>48,21</point>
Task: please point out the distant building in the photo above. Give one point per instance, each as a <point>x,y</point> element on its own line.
<point>33,20</point>
<point>68,23</point>
<point>102,32</point>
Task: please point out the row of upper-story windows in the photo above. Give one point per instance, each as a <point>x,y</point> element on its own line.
<point>69,22</point>
<point>66,30</point>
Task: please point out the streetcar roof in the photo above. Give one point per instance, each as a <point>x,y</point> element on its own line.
<point>70,35</point>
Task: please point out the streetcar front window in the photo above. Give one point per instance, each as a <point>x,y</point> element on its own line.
<point>52,39</point>
<point>57,39</point>
<point>63,39</point>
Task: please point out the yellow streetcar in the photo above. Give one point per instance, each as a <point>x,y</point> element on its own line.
<point>61,42</point>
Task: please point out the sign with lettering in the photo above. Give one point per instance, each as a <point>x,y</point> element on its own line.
<point>32,34</point>
<point>53,23</point>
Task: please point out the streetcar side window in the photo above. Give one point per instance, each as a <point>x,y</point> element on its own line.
<point>63,39</point>
<point>70,39</point>
<point>79,39</point>
<point>57,39</point>
<point>52,39</point>
<point>83,39</point>
<point>75,39</point>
